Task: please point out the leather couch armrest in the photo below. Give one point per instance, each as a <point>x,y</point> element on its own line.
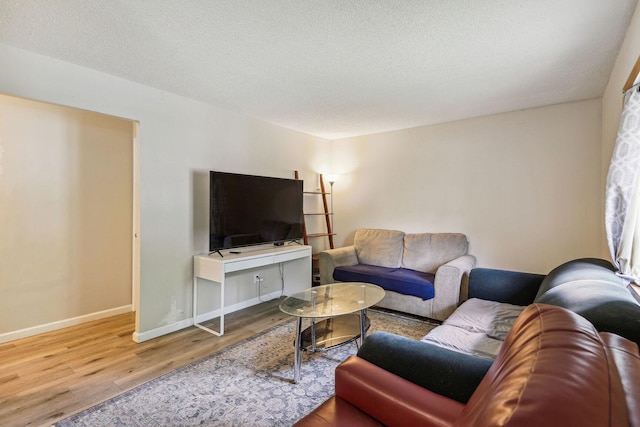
<point>445,372</point>
<point>448,283</point>
<point>337,412</point>
<point>390,399</point>
<point>626,356</point>
<point>330,259</point>
<point>512,287</point>
<point>552,369</point>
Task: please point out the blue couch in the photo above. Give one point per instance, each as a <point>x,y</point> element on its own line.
<point>554,369</point>
<point>588,287</point>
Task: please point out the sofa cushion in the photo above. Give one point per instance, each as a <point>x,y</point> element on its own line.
<point>428,251</point>
<point>379,247</point>
<point>478,327</point>
<point>476,344</point>
<point>450,373</point>
<point>401,280</point>
<point>609,307</point>
<point>513,287</point>
<point>591,288</point>
<point>490,317</point>
<point>580,270</point>
<point>553,368</point>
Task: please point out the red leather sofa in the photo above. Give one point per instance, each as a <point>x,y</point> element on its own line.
<point>554,369</point>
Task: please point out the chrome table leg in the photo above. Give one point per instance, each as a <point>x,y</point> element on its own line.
<point>297,354</point>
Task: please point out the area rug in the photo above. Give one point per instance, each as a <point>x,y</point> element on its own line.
<point>247,384</point>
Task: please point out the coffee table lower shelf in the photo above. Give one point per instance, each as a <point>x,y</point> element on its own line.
<point>332,332</point>
<point>337,312</point>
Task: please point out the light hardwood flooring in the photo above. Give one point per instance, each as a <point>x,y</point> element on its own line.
<point>48,377</point>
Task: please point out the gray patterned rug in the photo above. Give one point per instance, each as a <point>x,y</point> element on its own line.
<point>248,384</point>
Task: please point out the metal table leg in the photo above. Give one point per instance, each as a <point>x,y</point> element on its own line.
<point>363,325</point>
<point>297,355</point>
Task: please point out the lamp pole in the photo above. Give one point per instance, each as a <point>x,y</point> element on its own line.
<point>333,224</point>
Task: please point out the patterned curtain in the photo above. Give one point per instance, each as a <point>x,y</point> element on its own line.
<point>622,203</point>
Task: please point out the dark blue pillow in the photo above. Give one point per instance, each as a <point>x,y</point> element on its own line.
<point>401,280</point>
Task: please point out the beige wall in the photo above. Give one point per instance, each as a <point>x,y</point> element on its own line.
<point>523,186</point>
<point>180,140</point>
<point>66,216</point>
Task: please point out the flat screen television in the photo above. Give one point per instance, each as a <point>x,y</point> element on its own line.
<point>250,210</point>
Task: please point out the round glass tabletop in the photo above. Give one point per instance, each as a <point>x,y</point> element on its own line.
<point>333,299</point>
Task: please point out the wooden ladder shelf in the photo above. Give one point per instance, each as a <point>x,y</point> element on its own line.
<point>328,216</point>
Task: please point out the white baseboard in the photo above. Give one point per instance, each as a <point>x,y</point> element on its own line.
<point>173,327</point>
<point>54,326</point>
<point>203,317</point>
<point>137,337</point>
<point>163,330</point>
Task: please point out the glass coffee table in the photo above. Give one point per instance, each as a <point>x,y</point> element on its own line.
<point>343,307</point>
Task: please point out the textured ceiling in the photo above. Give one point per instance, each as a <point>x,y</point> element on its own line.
<point>337,68</point>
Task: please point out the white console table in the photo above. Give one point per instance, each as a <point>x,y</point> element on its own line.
<point>214,267</point>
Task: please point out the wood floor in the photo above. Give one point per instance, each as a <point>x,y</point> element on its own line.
<point>48,377</point>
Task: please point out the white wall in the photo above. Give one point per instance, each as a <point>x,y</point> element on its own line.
<point>523,186</point>
<point>180,141</point>
<point>65,216</point>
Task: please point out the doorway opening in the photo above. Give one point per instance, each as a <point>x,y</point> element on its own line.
<point>69,217</point>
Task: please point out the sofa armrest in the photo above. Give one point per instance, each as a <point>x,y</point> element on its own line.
<point>447,284</point>
<point>330,259</point>
<point>626,356</point>
<point>390,399</point>
<point>337,412</point>
<point>512,287</point>
<point>445,372</point>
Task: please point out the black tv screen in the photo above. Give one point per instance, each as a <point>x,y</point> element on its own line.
<point>250,210</point>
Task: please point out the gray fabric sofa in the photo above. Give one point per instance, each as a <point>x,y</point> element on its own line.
<point>421,273</point>
<point>586,286</point>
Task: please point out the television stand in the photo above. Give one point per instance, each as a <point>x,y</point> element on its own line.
<point>215,269</point>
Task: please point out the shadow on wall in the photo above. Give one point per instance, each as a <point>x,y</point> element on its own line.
<point>200,210</point>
